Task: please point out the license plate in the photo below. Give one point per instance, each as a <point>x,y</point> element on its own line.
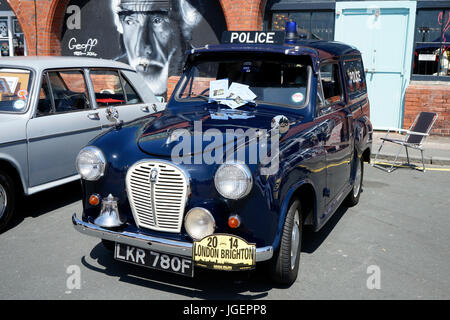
<point>154,260</point>
<point>224,252</point>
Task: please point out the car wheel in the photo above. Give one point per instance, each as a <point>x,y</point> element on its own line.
<point>7,200</point>
<point>353,197</point>
<point>110,245</point>
<point>285,263</point>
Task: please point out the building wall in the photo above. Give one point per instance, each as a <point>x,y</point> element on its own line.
<point>44,33</point>
<point>434,97</point>
<point>42,36</point>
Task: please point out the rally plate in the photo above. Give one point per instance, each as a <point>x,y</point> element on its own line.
<point>224,252</point>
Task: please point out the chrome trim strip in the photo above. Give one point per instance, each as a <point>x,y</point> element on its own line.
<point>52,184</point>
<point>148,242</point>
<point>10,143</point>
<point>64,134</point>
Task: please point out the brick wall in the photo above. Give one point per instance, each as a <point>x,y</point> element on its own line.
<point>428,97</point>
<point>44,32</point>
<point>243,14</point>
<point>239,15</point>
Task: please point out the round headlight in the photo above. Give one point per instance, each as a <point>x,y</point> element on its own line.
<point>199,223</point>
<point>233,180</point>
<point>90,163</point>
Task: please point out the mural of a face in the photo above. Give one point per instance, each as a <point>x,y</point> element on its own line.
<point>155,35</point>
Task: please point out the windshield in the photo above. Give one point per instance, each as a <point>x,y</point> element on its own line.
<point>271,81</point>
<point>15,86</point>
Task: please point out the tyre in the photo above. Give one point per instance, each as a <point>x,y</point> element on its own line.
<point>109,245</point>
<point>7,200</point>
<point>285,263</point>
<point>353,197</point>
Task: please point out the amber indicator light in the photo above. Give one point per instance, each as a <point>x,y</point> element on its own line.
<point>94,200</point>
<point>234,222</point>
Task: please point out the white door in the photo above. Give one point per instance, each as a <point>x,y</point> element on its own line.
<point>63,123</point>
<point>115,88</point>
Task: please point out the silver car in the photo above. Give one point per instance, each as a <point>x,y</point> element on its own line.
<point>51,107</point>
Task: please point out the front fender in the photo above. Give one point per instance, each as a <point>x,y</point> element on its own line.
<point>285,207</point>
<point>14,163</point>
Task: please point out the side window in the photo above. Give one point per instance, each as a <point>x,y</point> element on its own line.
<point>107,87</point>
<point>355,78</point>
<point>131,94</point>
<point>69,90</point>
<point>45,102</point>
<point>331,84</point>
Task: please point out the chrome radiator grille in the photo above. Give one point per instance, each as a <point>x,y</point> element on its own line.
<point>157,194</point>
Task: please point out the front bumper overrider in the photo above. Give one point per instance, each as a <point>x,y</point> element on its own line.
<point>162,245</point>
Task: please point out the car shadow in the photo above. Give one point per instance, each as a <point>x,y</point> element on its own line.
<point>313,240</point>
<point>46,201</point>
<point>206,284</point>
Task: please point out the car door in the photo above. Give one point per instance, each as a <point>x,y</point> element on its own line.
<point>112,87</point>
<point>62,124</point>
<point>336,135</point>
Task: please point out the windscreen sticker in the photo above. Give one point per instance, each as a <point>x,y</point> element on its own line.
<point>19,104</point>
<point>22,94</point>
<point>297,97</point>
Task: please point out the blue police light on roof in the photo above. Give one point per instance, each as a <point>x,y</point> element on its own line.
<point>291,31</point>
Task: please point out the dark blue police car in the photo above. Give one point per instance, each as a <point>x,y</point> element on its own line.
<point>263,135</point>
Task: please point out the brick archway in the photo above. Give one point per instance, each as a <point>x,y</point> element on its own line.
<point>41,22</point>
<point>244,15</point>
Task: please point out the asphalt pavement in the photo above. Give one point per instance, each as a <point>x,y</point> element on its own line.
<point>395,244</point>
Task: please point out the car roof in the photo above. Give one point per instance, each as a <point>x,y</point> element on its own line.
<point>322,49</point>
<point>46,62</point>
<point>334,48</point>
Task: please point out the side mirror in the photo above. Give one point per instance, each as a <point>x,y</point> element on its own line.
<point>112,114</point>
<point>281,123</point>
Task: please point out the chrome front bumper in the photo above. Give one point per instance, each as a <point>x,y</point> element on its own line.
<point>152,243</point>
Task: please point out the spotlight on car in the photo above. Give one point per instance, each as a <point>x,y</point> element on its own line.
<point>199,223</point>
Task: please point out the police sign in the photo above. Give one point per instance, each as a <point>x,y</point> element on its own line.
<point>253,37</point>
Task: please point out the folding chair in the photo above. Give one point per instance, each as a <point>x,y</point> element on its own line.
<point>414,138</point>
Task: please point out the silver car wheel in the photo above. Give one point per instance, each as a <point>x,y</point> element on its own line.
<point>3,201</point>
<point>357,182</point>
<point>295,239</point>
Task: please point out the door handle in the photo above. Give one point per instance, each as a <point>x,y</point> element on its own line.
<point>147,109</point>
<point>93,116</point>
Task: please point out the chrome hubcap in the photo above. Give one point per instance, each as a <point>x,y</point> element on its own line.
<point>357,183</point>
<point>2,201</point>
<point>295,239</point>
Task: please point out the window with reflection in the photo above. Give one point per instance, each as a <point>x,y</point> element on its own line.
<point>432,43</point>
<point>317,24</point>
